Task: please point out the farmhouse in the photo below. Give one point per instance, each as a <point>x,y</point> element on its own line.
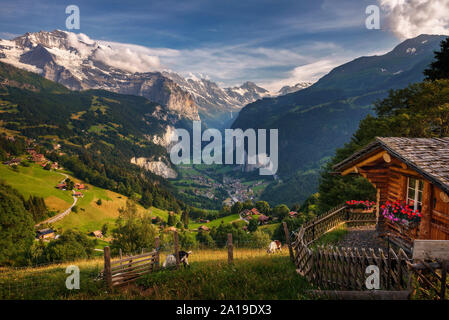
<point>292,214</point>
<point>78,194</point>
<point>263,219</point>
<point>245,213</point>
<point>13,162</point>
<point>61,186</point>
<point>97,234</point>
<point>80,186</point>
<point>203,228</point>
<point>410,171</point>
<point>255,211</point>
<point>39,157</point>
<point>45,234</point>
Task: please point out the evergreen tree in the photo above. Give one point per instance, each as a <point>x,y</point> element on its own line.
<point>263,207</point>
<point>439,69</point>
<point>185,217</point>
<point>133,232</point>
<point>237,207</point>
<point>252,226</point>
<point>281,211</point>
<point>16,228</point>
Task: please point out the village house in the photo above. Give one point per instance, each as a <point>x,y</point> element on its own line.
<point>413,171</point>
<point>80,186</point>
<point>13,162</point>
<point>254,211</point>
<point>78,194</point>
<point>38,157</point>
<point>203,228</point>
<point>245,213</point>
<point>293,214</point>
<point>62,186</point>
<point>45,234</point>
<point>97,234</point>
<point>170,229</point>
<point>263,219</point>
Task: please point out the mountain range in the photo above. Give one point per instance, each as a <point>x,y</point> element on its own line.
<point>80,63</point>
<point>315,121</point>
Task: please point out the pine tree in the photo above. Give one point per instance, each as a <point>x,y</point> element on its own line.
<point>439,69</point>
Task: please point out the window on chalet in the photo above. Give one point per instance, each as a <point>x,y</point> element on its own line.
<point>414,193</point>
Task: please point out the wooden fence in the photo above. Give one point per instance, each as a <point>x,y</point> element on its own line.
<point>126,270</point>
<point>337,268</point>
<point>344,268</point>
<point>430,266</point>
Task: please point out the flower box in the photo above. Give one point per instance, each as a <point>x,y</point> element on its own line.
<point>359,206</point>
<point>402,215</point>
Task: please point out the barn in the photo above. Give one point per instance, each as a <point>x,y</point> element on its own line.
<point>412,171</point>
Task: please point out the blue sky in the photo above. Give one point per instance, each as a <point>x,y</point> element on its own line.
<point>270,42</point>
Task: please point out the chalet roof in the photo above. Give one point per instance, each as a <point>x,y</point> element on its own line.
<point>44,231</point>
<point>427,156</point>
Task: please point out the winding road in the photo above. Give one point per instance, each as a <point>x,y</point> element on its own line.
<point>61,215</point>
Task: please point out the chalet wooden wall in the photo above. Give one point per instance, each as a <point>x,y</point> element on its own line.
<point>439,223</point>
<point>391,179</point>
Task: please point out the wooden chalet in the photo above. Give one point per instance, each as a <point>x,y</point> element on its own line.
<point>97,234</point>
<point>414,171</point>
<point>45,234</point>
<point>203,228</point>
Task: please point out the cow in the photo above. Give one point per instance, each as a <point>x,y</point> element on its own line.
<point>274,246</point>
<point>170,260</point>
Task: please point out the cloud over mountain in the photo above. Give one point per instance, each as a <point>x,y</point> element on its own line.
<point>410,18</point>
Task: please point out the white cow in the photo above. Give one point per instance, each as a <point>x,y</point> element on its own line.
<point>170,260</point>
<point>274,246</point>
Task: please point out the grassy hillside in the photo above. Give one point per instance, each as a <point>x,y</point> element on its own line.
<point>93,133</point>
<point>254,275</point>
<point>215,223</point>
<point>36,181</point>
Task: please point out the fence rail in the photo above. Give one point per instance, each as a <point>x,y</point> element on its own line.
<point>338,268</point>
<point>344,268</point>
<point>126,270</point>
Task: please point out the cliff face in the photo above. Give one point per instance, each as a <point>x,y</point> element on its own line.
<point>156,166</point>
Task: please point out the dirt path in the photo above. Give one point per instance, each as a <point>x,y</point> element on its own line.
<point>362,237</point>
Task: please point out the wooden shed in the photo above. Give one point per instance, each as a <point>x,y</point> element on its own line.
<point>414,171</point>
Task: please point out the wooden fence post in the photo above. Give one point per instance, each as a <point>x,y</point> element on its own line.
<point>156,258</point>
<point>176,249</point>
<point>230,249</point>
<point>287,240</point>
<point>107,267</point>
<point>120,252</point>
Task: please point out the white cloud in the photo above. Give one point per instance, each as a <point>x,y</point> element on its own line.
<point>306,73</point>
<point>410,18</point>
<point>128,57</point>
<point>226,65</point>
